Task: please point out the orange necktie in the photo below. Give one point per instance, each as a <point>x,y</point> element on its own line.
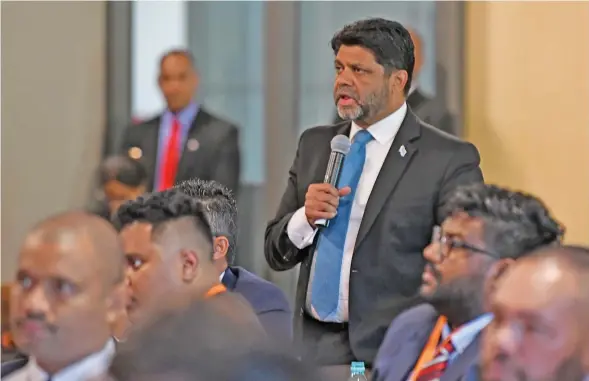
<point>169,166</point>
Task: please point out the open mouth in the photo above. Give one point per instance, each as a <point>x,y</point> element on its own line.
<point>346,100</point>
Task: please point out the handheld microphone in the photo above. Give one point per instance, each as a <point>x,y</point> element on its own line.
<point>340,146</point>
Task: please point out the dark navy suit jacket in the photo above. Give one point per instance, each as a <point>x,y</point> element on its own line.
<point>267,300</point>
<point>404,341</point>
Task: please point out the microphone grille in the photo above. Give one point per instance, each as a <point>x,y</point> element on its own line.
<point>341,144</point>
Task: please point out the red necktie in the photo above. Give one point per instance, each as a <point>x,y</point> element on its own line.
<point>171,158</point>
<point>435,368</point>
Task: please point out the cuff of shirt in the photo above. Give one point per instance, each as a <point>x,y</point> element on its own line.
<point>299,231</point>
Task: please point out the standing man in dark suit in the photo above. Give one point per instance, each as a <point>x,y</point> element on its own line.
<point>267,300</point>
<point>486,230</point>
<point>394,181</point>
<point>185,141</point>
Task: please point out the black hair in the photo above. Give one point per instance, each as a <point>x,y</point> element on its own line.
<point>159,208</point>
<point>515,223</point>
<point>123,169</point>
<point>389,41</point>
<point>220,207</point>
<point>178,52</point>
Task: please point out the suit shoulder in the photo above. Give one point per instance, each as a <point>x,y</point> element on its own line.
<point>441,140</point>
<point>147,123</point>
<point>261,293</point>
<point>12,366</point>
<point>221,123</point>
<point>416,315</point>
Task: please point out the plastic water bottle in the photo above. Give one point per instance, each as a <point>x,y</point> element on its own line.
<point>357,370</point>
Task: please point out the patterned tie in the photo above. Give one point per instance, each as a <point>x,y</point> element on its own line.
<point>330,248</point>
<point>433,370</point>
<point>171,158</point>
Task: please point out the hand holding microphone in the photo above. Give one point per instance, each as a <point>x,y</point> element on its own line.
<point>322,200</point>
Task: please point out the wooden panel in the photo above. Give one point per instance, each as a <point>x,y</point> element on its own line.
<point>526,101</point>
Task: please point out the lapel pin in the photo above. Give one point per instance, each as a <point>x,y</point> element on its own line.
<point>192,145</point>
<point>135,153</point>
<point>402,151</point>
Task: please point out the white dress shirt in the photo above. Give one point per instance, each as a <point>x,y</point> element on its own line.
<point>88,368</point>
<point>302,234</point>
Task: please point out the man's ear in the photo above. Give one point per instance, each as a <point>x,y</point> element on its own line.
<point>190,263</point>
<point>220,248</point>
<point>496,271</point>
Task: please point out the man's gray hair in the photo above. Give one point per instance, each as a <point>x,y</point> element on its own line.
<point>220,207</point>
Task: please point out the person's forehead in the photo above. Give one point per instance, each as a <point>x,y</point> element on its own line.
<point>72,257</point>
<point>532,287</point>
<point>355,54</point>
<point>176,61</point>
<point>137,234</point>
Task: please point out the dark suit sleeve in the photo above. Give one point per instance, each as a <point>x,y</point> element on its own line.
<point>281,254</point>
<point>278,325</point>
<point>463,169</point>
<point>127,141</point>
<point>227,167</point>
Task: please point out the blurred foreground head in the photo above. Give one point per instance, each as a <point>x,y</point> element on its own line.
<point>540,331</point>
<point>211,340</point>
<point>68,289</point>
<point>487,228</point>
<point>121,178</point>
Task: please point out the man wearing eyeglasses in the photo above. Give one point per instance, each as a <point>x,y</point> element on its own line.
<point>485,230</point>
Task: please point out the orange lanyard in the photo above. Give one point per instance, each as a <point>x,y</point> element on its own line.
<point>429,350</point>
<point>215,290</point>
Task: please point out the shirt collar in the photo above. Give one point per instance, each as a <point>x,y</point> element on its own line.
<point>185,116</point>
<point>462,337</point>
<point>384,130</point>
<point>93,365</point>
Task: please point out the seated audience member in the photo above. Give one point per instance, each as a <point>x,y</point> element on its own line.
<point>121,179</point>
<point>202,342</point>
<point>540,331</point>
<point>267,300</point>
<point>67,292</point>
<point>169,248</point>
<point>486,228</point>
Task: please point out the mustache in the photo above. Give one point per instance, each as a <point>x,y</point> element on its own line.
<point>36,318</point>
<point>341,92</point>
<point>436,273</point>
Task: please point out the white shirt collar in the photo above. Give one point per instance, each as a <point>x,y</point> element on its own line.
<point>91,366</point>
<point>384,130</point>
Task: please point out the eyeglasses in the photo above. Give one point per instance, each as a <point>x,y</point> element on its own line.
<point>446,244</point>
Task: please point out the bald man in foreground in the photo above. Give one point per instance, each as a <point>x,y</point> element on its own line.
<point>67,295</point>
<point>540,331</point>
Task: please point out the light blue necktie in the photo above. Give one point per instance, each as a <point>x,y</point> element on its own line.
<point>330,247</point>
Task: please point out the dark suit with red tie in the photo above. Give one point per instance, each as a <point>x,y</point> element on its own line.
<point>208,147</point>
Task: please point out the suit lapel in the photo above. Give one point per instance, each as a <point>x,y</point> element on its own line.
<point>194,134</point>
<point>391,172</point>
<point>460,367</point>
<point>408,349</point>
<point>150,146</point>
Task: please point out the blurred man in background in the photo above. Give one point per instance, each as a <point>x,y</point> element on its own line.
<point>121,179</point>
<point>541,327</point>
<point>185,141</point>
<point>267,300</point>
<point>487,228</point>
<point>67,295</point>
<point>169,249</point>
<point>432,110</point>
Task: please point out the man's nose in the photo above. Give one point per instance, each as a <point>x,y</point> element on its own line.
<point>36,301</point>
<point>429,253</point>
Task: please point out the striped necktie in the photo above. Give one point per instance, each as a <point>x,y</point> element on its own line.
<point>433,370</point>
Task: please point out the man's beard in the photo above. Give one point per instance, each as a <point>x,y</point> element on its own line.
<point>460,300</point>
<point>374,103</point>
<point>571,369</point>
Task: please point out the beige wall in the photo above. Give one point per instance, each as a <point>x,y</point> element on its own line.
<point>527,101</point>
<point>53,111</point>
